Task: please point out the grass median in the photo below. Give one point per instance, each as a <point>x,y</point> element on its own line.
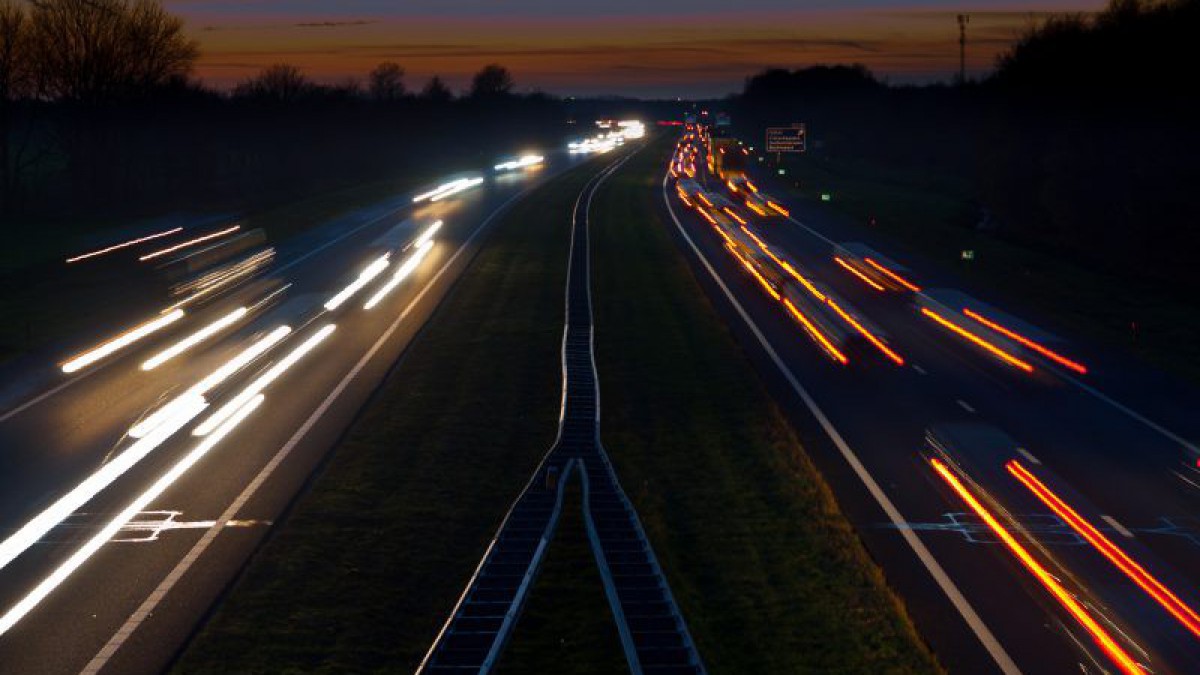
<point>390,532</point>
<point>769,574</point>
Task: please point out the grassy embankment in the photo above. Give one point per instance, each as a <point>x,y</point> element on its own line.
<point>392,529</point>
<point>769,573</point>
<point>924,214</point>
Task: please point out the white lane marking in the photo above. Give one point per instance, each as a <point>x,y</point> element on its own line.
<point>968,613</point>
<point>919,369</point>
<point>45,395</point>
<point>1086,388</point>
<point>1112,522</point>
<point>147,607</point>
<point>965,406</point>
<point>1029,456</point>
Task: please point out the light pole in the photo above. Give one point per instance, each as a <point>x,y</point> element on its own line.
<point>963,20</point>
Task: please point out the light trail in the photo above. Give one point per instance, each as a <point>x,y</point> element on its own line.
<point>121,341</point>
<point>856,272</point>
<point>262,382</point>
<point>1053,356</point>
<point>733,214</point>
<point>816,333</point>
<point>1068,601</point>
<point>1136,573</point>
<point>777,207</point>
<point>871,337</point>
<point>373,270</point>
<point>755,209</point>
<point>468,184</point>
<point>757,275</point>
<point>401,274</point>
<point>975,339</point>
<point>37,527</point>
<point>127,244</point>
<point>194,339</point>
<point>201,388</point>
<point>427,234</point>
<point>893,276</point>
<point>223,277</point>
<point>191,242</point>
<point>520,163</point>
<point>79,557</point>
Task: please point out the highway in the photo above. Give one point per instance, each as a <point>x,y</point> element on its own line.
<point>116,580</point>
<point>1057,524</point>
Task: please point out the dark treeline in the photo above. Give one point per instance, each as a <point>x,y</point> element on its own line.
<point>1084,141</point>
<point>99,117</point>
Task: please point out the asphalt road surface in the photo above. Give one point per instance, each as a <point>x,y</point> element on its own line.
<point>1110,444</point>
<point>129,604</point>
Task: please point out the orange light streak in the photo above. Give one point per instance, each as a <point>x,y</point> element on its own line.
<point>784,264</point>
<point>1099,635</point>
<point>703,198</point>
<point>733,214</point>
<point>1170,602</point>
<point>752,187</point>
<point>817,335</point>
<point>750,267</point>
<point>879,344</point>
<point>870,282</point>
<point>732,187</point>
<point>1003,355</point>
<point>895,277</point>
<point>1053,356</point>
<point>755,209</point>
<point>778,208</point>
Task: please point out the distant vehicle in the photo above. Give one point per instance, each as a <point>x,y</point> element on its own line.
<point>725,158</point>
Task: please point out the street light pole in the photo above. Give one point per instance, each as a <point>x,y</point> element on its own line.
<point>963,20</point>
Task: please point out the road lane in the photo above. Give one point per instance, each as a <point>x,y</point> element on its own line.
<point>110,586</point>
<point>882,411</point>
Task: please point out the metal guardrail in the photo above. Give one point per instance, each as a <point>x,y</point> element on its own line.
<point>653,634</point>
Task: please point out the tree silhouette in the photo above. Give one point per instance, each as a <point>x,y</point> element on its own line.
<point>386,82</point>
<point>492,81</point>
<point>94,51</point>
<point>281,83</point>
<point>437,91</point>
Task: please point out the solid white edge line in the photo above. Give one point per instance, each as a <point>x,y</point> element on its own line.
<point>968,613</point>
<point>147,607</point>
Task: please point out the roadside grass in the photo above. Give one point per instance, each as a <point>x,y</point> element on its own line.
<point>769,573</point>
<point>567,625</point>
<point>924,214</point>
<point>393,526</point>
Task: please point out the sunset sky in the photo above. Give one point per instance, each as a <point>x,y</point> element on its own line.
<point>661,48</point>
